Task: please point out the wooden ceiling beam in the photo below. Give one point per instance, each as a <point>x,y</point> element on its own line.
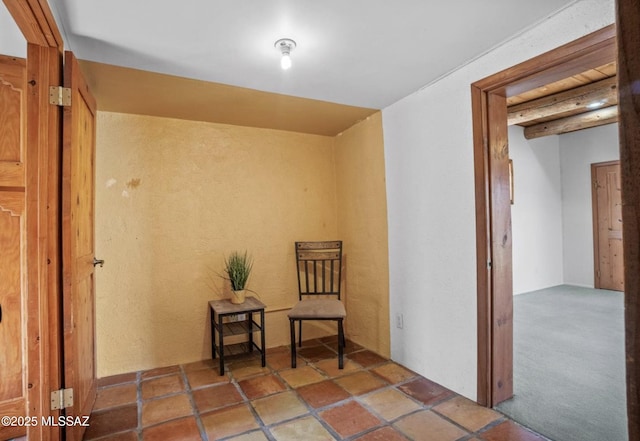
<point>565,103</point>
<point>586,120</point>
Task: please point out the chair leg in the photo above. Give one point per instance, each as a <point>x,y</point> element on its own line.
<point>293,342</point>
<point>340,345</point>
<point>300,333</point>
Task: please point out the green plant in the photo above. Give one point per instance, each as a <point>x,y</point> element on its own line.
<point>238,268</point>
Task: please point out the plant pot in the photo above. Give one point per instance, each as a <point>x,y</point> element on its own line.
<point>237,297</point>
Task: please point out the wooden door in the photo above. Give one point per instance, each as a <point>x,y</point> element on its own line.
<point>78,244</point>
<point>607,226</point>
<point>13,270</point>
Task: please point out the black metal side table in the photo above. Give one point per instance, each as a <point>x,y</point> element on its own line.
<point>229,319</point>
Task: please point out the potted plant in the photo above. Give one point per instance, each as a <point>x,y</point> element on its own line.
<point>237,267</point>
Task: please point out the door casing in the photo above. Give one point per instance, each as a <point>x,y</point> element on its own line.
<point>628,36</point>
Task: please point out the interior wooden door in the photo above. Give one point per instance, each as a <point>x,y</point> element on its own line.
<point>607,226</point>
<point>78,244</point>
<point>13,293</point>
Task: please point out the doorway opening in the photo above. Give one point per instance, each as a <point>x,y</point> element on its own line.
<point>568,338</point>
<point>493,196</point>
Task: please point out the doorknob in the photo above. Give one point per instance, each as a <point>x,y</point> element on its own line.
<point>98,262</point>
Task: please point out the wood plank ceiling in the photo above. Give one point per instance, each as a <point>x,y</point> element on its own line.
<point>586,100</point>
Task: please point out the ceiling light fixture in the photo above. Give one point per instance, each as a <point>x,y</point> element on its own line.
<point>286,45</point>
<point>596,104</point>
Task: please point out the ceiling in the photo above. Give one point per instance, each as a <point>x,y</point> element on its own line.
<point>12,42</point>
<point>586,100</point>
<point>213,61</point>
<point>126,90</point>
<point>365,53</point>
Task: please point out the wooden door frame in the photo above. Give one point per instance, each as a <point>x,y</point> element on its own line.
<point>43,131</point>
<point>595,221</point>
<point>628,33</point>
<point>493,213</point>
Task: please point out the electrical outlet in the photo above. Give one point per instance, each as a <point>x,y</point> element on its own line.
<point>241,317</point>
<point>399,321</point>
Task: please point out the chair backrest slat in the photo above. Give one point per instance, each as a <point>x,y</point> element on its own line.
<point>315,275</point>
<point>322,263</point>
<point>324,278</point>
<point>331,272</point>
<point>306,270</point>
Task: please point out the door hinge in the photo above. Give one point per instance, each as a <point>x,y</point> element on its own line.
<point>61,399</point>
<point>59,96</point>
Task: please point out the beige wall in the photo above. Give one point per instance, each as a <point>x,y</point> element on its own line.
<point>173,197</point>
<point>362,223</point>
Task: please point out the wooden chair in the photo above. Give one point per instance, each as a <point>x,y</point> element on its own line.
<point>319,266</point>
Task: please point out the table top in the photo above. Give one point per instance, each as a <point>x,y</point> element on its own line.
<point>225,306</point>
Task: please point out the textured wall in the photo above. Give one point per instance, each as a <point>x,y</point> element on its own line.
<point>536,216</point>
<point>362,223</point>
<point>172,198</point>
<point>428,147</point>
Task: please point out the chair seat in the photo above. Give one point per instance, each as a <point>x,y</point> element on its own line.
<point>318,309</point>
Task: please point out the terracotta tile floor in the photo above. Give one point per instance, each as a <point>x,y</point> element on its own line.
<point>371,399</point>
